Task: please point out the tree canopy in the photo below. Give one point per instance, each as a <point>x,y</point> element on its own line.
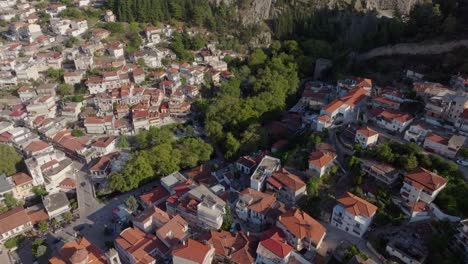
<point>159,154</point>
<point>10,160</point>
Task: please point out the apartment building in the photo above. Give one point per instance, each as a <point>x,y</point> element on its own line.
<point>353,214</point>
<point>366,137</point>
<point>289,187</point>
<point>301,230</point>
<point>422,185</point>
<point>444,146</point>
<point>320,162</point>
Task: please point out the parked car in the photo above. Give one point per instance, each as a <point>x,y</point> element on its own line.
<point>462,162</point>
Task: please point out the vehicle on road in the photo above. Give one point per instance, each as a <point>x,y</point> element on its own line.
<point>83,184</point>
<point>462,162</point>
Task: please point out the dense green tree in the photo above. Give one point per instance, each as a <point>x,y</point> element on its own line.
<point>67,217</point>
<point>77,133</point>
<point>42,226</point>
<point>9,200</point>
<point>123,142</point>
<point>39,190</point>
<point>164,159</point>
<point>193,151</point>
<point>10,160</point>
<point>232,146</point>
<point>257,58</point>
<point>131,203</point>
<point>65,89</point>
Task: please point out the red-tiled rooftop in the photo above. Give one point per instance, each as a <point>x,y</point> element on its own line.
<point>356,205</point>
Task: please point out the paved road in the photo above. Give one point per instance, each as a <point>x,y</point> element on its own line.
<point>335,237</point>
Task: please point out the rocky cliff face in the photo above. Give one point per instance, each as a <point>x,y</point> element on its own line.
<point>251,11</point>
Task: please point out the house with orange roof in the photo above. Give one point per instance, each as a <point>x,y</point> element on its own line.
<point>37,147</point>
<point>301,230</point>
<point>23,184</point>
<point>422,185</point>
<point>366,137</point>
<point>193,252</point>
<point>344,109</point>
<point>105,145</point>
<point>174,232</point>
<point>275,249</point>
<point>392,120</point>
<point>14,222</point>
<point>353,214</point>
<point>385,103</point>
<point>154,197</point>
<point>151,219</point>
<point>320,162</point>
<point>79,251</point>
<point>447,147</point>
<point>289,187</point>
<point>134,246</point>
<point>235,247</point>
<point>258,208</point>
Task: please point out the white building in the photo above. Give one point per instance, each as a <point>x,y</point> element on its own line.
<point>13,223</point>
<point>267,166</point>
<point>444,146</point>
<point>422,185</point>
<point>353,214</point>
<point>366,137</point>
<point>56,204</point>
<point>320,162</point>
<point>391,120</point>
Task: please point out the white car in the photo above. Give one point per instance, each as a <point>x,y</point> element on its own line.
<point>462,162</point>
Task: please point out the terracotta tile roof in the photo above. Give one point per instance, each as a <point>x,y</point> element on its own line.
<point>12,219</point>
<point>68,183</point>
<point>159,193</point>
<point>302,225</point>
<point>140,245</point>
<point>38,215</point>
<point>417,207</point>
<point>356,205</point>
<point>247,162</point>
<point>386,101</point>
<point>35,146</point>
<point>79,251</point>
<point>333,106</point>
<point>277,245</point>
<point>368,132</point>
<point>437,139</point>
<point>104,142</point>
<point>323,118</point>
<point>193,251</point>
<point>321,159</point>
<point>21,178</point>
<point>153,212</point>
<point>391,114</point>
<point>285,178</point>
<point>424,179</point>
<point>93,120</point>
<point>237,246</point>
<point>259,202</point>
<point>201,174</point>
<point>174,231</point>
<point>103,162</point>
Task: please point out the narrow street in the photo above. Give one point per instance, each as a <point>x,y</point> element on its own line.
<point>335,237</point>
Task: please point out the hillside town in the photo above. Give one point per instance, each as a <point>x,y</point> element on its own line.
<point>109,155</point>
